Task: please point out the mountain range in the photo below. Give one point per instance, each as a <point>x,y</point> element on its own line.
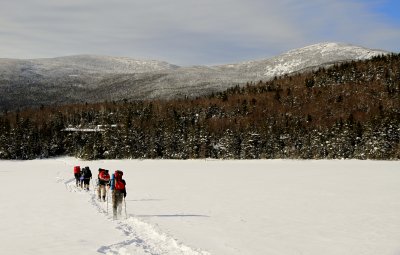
<point>89,78</point>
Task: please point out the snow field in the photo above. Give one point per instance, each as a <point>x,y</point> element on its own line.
<point>140,237</point>
<point>205,207</point>
<point>38,216</point>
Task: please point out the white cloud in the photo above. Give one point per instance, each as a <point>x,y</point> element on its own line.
<point>186,31</point>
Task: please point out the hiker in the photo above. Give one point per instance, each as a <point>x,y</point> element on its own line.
<point>77,174</point>
<point>103,183</point>
<point>87,175</point>
<point>81,178</point>
<point>118,193</point>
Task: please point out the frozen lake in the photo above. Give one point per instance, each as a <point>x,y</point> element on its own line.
<point>283,207</point>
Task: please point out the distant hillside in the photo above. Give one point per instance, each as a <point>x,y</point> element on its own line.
<point>349,110</point>
<point>86,78</point>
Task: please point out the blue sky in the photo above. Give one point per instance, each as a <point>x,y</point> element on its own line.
<point>191,32</point>
<point>389,10</point>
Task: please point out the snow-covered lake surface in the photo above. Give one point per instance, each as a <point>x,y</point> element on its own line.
<point>273,207</point>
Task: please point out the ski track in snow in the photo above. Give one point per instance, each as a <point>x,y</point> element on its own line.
<point>141,238</point>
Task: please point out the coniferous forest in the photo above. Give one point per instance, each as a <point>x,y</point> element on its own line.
<point>350,110</point>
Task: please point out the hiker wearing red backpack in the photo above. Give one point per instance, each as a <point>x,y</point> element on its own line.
<point>103,181</point>
<point>118,193</point>
<point>77,174</point>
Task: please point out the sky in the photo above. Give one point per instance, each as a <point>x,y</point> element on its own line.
<point>192,32</point>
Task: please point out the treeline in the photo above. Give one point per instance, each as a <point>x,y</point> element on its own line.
<point>349,110</point>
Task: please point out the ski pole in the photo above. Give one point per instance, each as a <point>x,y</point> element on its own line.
<point>126,215</point>
<point>107,200</point>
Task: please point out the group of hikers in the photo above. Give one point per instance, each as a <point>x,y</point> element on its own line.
<point>105,182</point>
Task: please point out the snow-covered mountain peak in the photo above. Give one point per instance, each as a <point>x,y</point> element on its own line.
<point>322,46</point>
<point>311,56</point>
<point>100,64</point>
<point>334,48</point>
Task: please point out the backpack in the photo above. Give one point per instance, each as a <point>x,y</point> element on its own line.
<point>87,173</point>
<point>118,174</point>
<point>104,176</point>
<point>119,183</point>
<point>77,169</point>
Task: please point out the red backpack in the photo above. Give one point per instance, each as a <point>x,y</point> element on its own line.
<point>104,176</point>
<point>119,183</point>
<point>77,169</point>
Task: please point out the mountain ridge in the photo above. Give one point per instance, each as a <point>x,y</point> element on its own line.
<point>93,78</point>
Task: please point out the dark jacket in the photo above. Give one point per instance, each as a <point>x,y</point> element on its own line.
<point>86,173</point>
<point>103,182</point>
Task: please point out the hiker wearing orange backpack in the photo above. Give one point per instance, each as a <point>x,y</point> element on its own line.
<point>118,193</point>
<point>103,182</point>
